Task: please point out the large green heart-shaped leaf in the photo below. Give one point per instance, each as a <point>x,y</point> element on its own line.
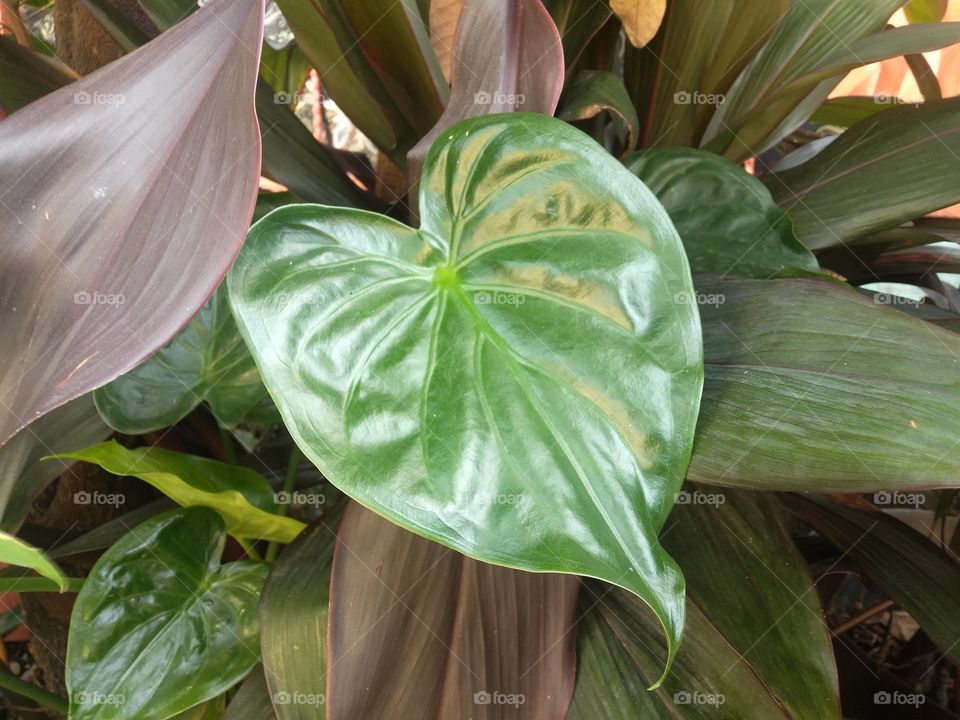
<point>160,625</point>
<point>207,361</point>
<point>518,380</point>
<point>726,218</point>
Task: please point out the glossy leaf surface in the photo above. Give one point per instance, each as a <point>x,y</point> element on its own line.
<point>517,67</point>
<point>127,195</point>
<point>22,475</point>
<point>726,218</point>
<point>428,373</point>
<point>810,370</point>
<point>242,497</point>
<point>904,564</point>
<point>888,168</point>
<point>489,642</point>
<point>14,551</point>
<point>160,625</point>
<point>755,646</point>
<point>206,362</point>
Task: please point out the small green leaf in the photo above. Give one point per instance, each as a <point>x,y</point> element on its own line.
<point>160,624</point>
<point>242,497</point>
<point>531,341</point>
<point>925,11</point>
<point>14,551</point>
<point>207,361</point>
<point>726,218</point>
<point>596,91</point>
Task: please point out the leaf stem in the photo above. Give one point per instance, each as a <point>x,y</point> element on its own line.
<point>249,549</point>
<point>33,692</point>
<point>293,465</point>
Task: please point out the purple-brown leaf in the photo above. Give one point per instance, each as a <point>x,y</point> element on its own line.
<point>124,198</point>
<point>418,631</point>
<point>506,56</point>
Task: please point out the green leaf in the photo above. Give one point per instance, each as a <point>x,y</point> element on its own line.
<point>293,614</point>
<point>167,13</point>
<point>210,710</point>
<point>726,218</point>
<point>487,640</point>
<point>905,565</point>
<point>887,169</point>
<point>811,33</point>
<point>206,362</point>
<point>427,373</point>
<point>849,110</point>
<point>595,91</point>
<point>26,75</point>
<point>14,551</point>
<point>577,23</point>
<point>22,475</point>
<point>857,395</point>
<point>925,11</point>
<point>756,645</point>
<point>242,497</point>
<point>124,31</point>
<point>704,47</point>
<point>160,624</point>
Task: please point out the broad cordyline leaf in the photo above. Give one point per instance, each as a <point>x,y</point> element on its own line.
<point>160,625</point>
<point>517,66</point>
<point>756,646</point>
<point>531,341</point>
<point>858,395</point>
<point>491,643</point>
<point>124,199</point>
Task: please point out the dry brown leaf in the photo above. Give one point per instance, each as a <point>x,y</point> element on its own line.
<point>443,26</point>
<point>641,18</point>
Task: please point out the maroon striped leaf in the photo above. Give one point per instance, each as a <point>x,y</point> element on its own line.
<point>506,56</point>
<point>419,631</point>
<point>124,198</point>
